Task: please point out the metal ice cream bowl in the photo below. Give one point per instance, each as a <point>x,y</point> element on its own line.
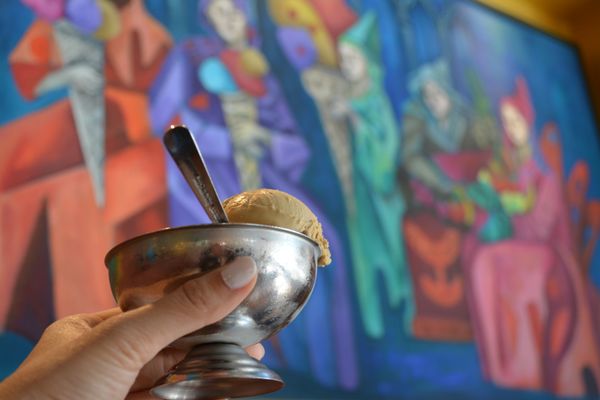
<point>145,268</point>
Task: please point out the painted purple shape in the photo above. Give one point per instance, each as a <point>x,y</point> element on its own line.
<point>298,46</point>
<point>84,14</point>
<point>50,10</point>
<point>176,83</point>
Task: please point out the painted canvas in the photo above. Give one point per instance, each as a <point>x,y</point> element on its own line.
<point>449,151</point>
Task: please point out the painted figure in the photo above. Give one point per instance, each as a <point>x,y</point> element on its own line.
<point>79,38</point>
<point>375,236</point>
<point>528,298</point>
<point>438,123</point>
<point>61,168</point>
<point>220,85</point>
<point>445,146</point>
<point>308,35</point>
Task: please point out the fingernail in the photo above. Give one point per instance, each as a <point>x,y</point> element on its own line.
<point>239,272</point>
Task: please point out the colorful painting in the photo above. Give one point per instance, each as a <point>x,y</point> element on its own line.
<point>449,151</point>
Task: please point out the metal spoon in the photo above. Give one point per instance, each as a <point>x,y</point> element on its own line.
<point>183,149</point>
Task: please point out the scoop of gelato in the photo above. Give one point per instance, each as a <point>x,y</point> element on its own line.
<point>277,208</point>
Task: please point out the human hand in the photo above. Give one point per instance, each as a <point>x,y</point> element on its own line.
<point>120,355</point>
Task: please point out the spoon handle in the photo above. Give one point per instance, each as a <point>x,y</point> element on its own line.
<point>183,149</point>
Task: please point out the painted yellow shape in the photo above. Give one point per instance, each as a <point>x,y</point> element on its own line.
<point>254,63</point>
<point>301,14</point>
<point>111,21</point>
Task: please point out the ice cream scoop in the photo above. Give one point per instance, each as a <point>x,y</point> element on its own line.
<point>276,208</point>
<point>262,206</point>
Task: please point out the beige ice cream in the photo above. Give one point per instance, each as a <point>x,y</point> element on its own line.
<point>277,208</point>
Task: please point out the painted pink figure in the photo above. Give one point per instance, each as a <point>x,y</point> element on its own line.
<point>527,295</point>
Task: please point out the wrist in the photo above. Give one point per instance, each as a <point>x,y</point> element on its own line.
<point>13,388</point>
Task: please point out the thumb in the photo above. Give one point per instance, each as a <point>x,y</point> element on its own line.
<point>138,335</point>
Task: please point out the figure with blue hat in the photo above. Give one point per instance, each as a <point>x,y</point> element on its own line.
<point>446,144</point>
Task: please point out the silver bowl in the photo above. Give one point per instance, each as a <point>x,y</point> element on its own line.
<point>145,268</point>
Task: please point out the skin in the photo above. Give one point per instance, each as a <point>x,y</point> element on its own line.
<point>515,125</point>
<point>354,66</point>
<point>228,21</point>
<point>352,63</point>
<point>437,100</point>
<point>115,355</point>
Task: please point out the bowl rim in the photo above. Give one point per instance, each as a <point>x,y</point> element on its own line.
<point>226,225</point>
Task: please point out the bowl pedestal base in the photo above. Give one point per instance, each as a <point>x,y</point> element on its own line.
<point>217,371</point>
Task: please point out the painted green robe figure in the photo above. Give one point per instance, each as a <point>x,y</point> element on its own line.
<point>375,226</point>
